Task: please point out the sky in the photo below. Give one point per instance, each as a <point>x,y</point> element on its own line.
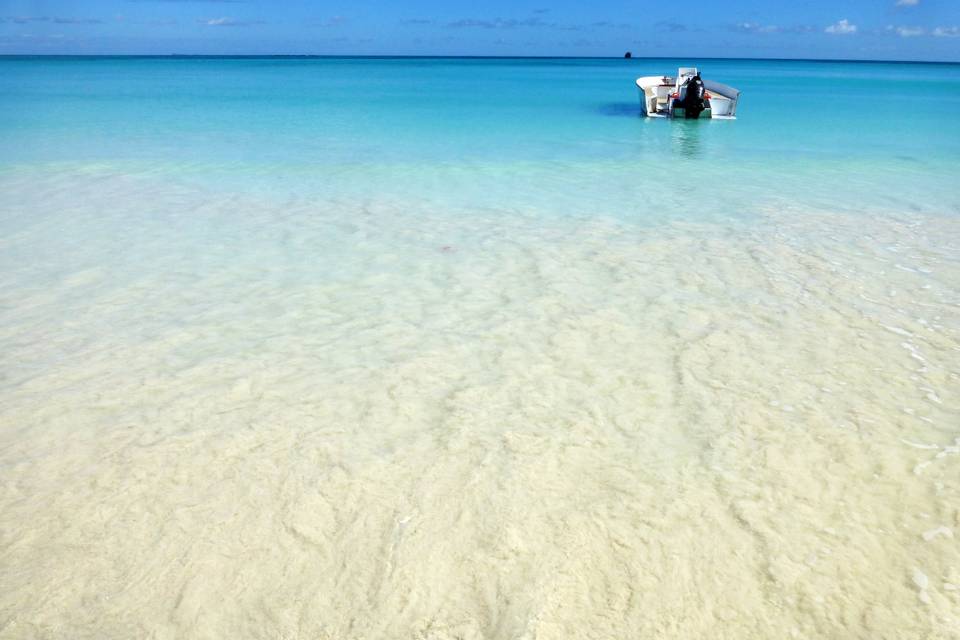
<point>815,29</point>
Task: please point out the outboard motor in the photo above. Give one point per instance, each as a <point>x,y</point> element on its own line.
<point>693,101</point>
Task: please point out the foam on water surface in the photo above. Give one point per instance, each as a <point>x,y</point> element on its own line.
<point>526,397</point>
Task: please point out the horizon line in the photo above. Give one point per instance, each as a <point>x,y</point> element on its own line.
<point>452,57</point>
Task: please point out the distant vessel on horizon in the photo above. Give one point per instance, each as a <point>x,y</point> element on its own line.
<point>687,96</point>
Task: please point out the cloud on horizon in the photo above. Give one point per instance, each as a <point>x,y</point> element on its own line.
<point>326,23</point>
<point>48,19</point>
<point>191,1</point>
<point>915,32</point>
<point>499,23</point>
<point>909,32</point>
<point>671,27</point>
<point>606,24</point>
<point>841,28</point>
<point>533,22</point>
<point>753,27</point>
<point>229,22</point>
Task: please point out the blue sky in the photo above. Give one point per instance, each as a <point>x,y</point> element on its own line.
<point>856,29</point>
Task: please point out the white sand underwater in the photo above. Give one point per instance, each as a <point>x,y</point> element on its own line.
<point>224,417</point>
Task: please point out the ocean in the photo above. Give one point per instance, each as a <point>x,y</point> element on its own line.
<point>436,348</point>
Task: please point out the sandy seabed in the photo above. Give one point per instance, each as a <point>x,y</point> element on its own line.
<point>235,418</point>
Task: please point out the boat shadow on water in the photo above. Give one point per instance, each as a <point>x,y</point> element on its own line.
<point>620,109</point>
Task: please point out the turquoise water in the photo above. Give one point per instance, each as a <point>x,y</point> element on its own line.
<point>435,126</point>
<point>466,348</point>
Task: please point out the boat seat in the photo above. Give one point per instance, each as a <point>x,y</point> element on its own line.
<point>663,94</point>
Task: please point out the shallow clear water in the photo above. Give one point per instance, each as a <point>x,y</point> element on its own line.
<point>415,348</point>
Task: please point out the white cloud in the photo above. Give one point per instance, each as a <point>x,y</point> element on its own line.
<point>909,32</point>
<point>841,28</point>
<point>907,3</point>
<point>335,21</point>
<point>229,22</point>
<point>53,20</point>
<point>753,27</point>
<point>947,32</point>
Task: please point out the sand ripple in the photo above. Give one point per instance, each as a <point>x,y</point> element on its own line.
<point>234,417</point>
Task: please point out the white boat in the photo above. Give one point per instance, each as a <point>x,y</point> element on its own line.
<point>687,96</point>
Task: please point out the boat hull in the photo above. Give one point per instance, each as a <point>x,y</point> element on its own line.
<point>656,99</point>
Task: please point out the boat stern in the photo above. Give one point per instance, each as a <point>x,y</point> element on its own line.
<point>666,97</point>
